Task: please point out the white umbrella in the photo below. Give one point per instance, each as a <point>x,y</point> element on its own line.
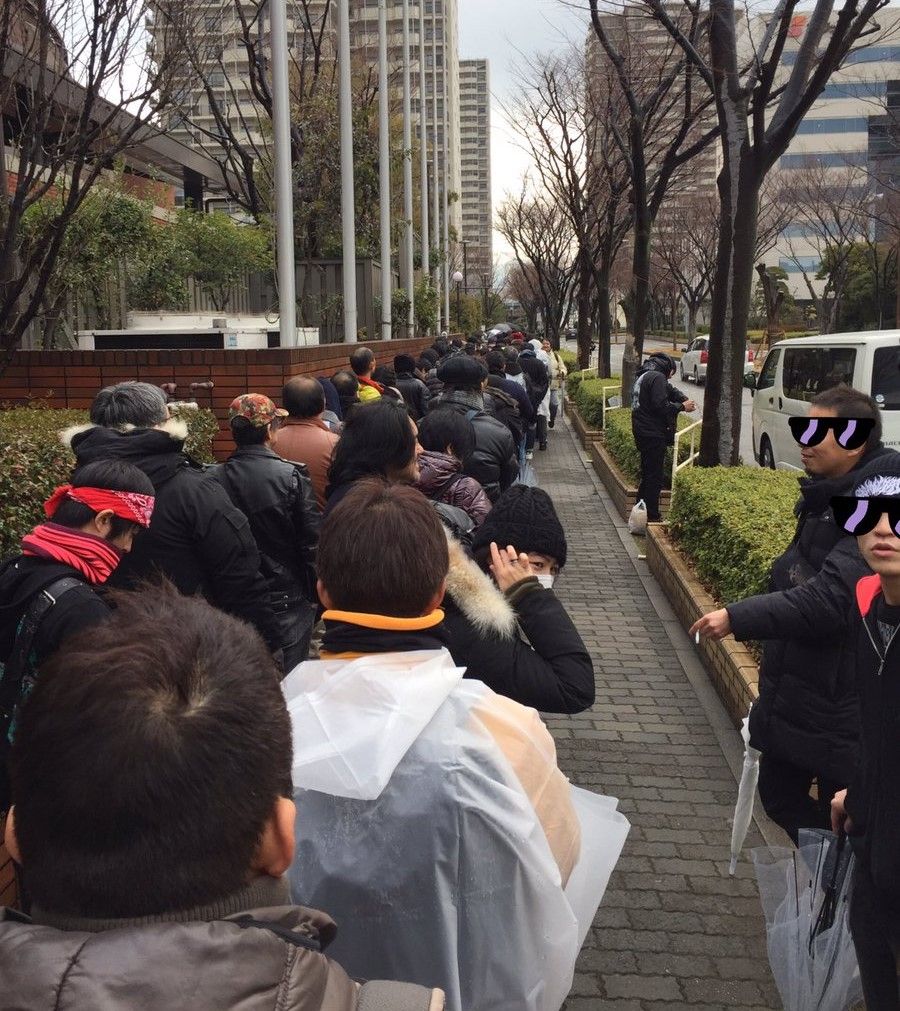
<point>743,809</point>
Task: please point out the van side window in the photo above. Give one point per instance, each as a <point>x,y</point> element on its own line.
<point>886,378</point>
<point>808,371</point>
<point>767,377</point>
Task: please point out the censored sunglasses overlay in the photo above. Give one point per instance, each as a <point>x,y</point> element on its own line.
<point>861,515</point>
<point>851,433</point>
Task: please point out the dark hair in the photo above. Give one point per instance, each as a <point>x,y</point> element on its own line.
<point>114,475</point>
<point>424,364</point>
<point>361,361</point>
<point>140,405</point>
<point>303,397</point>
<point>445,427</point>
<point>846,402</point>
<point>496,362</point>
<point>442,348</point>
<point>385,375</point>
<point>245,433</point>
<point>469,348</point>
<point>377,438</point>
<point>405,579</point>
<point>157,740</point>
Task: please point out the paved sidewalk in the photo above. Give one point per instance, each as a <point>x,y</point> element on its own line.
<point>674,930</point>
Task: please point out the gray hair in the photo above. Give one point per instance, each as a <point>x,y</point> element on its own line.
<point>129,405</point>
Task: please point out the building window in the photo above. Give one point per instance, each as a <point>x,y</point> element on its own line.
<point>825,159</point>
<point>799,264</point>
<point>848,124</point>
<point>855,89</point>
<point>869,54</point>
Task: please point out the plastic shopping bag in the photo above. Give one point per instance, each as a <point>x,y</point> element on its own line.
<point>637,520</point>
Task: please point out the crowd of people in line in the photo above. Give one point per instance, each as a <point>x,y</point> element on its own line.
<point>171,756</point>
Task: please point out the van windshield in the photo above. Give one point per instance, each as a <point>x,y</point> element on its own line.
<point>886,378</point>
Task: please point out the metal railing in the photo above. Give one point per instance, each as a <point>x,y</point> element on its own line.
<point>617,387</point>
<point>693,430</point>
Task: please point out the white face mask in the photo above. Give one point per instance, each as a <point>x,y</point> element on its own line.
<point>546,580</point>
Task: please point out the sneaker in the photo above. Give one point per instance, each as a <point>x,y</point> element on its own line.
<point>529,455</point>
<point>542,447</point>
<point>549,424</point>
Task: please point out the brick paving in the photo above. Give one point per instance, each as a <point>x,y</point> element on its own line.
<point>674,930</point>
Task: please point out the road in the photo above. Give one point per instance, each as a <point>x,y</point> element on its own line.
<point>694,392</point>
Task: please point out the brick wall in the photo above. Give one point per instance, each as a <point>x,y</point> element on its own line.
<point>71,378</point>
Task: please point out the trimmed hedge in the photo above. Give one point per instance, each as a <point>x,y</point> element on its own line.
<point>619,442</point>
<point>588,398</point>
<point>33,461</point>
<point>732,523</point>
<point>569,359</point>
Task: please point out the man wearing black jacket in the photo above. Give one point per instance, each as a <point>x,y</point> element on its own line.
<point>197,538</point>
<point>870,809</point>
<point>806,720</point>
<point>415,393</point>
<point>655,406</point>
<point>278,499</point>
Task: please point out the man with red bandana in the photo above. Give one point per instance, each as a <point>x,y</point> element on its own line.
<point>51,590</point>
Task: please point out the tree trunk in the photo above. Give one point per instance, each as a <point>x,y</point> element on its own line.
<point>691,332</point>
<point>585,276</point>
<point>640,266</point>
<point>739,183</point>
<point>604,323</point>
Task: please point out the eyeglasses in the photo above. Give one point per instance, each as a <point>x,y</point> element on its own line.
<point>849,433</point>
<point>861,515</point>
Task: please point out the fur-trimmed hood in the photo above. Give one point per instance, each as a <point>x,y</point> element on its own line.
<point>175,428</point>
<point>158,452</point>
<point>477,596</point>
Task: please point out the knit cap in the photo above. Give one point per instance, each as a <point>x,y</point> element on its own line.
<point>880,478</point>
<point>404,363</point>
<point>525,518</point>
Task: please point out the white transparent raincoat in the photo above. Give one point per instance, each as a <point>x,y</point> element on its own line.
<point>415,833</point>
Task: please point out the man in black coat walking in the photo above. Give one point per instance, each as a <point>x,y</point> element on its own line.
<point>278,499</point>
<point>415,393</point>
<point>197,538</point>
<point>806,721</point>
<point>655,406</point>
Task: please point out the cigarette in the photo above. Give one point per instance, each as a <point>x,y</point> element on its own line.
<point>697,637</point>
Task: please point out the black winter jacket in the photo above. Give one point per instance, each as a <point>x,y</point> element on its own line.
<point>21,579</point>
<point>277,498</point>
<point>655,406</point>
<point>521,644</point>
<point>807,712</point>
<point>517,392</point>
<point>197,538</point>
<point>415,394</point>
<point>873,797</point>
<point>537,378</point>
<point>494,463</point>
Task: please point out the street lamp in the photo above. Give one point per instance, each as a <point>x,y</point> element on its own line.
<point>458,280</point>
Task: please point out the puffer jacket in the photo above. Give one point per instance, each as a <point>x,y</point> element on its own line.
<point>415,394</point>
<point>278,499</point>
<point>808,713</point>
<point>197,538</point>
<point>259,959</point>
<point>522,644</point>
<point>494,463</point>
<point>655,405</point>
<point>441,479</point>
<point>873,796</point>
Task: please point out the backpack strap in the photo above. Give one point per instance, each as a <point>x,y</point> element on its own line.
<point>383,996</point>
<point>14,670</point>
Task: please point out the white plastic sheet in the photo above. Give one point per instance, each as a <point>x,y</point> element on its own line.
<point>743,809</point>
<point>812,973</point>
<point>445,878</point>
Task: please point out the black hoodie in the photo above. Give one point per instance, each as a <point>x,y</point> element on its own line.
<point>655,405</point>
<point>197,538</point>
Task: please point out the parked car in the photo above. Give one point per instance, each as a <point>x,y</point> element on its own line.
<point>796,370</point>
<point>696,356</point>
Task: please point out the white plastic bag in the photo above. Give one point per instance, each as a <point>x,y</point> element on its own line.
<point>637,519</point>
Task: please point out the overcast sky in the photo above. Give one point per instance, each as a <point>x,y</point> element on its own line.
<point>498,30</point>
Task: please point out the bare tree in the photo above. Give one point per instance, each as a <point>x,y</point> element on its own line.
<point>543,244</point>
<point>522,286</point>
<point>832,212</point>
<point>78,88</point>
<point>759,107</point>
<point>667,123</point>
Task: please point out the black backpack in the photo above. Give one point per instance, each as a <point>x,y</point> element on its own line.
<point>503,407</point>
<point>17,675</point>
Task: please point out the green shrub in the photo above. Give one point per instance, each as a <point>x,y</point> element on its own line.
<point>33,461</point>
<point>733,522</point>
<point>589,395</point>
<point>574,378</point>
<point>569,359</point>
<point>620,445</point>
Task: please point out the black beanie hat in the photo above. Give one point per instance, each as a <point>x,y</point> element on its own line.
<point>525,518</point>
<point>463,372</point>
<point>881,475</point>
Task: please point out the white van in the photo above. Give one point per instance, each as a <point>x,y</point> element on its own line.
<point>796,370</point>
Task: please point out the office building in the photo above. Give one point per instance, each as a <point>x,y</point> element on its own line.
<point>475,154</point>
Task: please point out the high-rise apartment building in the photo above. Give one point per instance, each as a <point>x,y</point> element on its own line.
<point>844,134</point>
<point>475,155</point>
